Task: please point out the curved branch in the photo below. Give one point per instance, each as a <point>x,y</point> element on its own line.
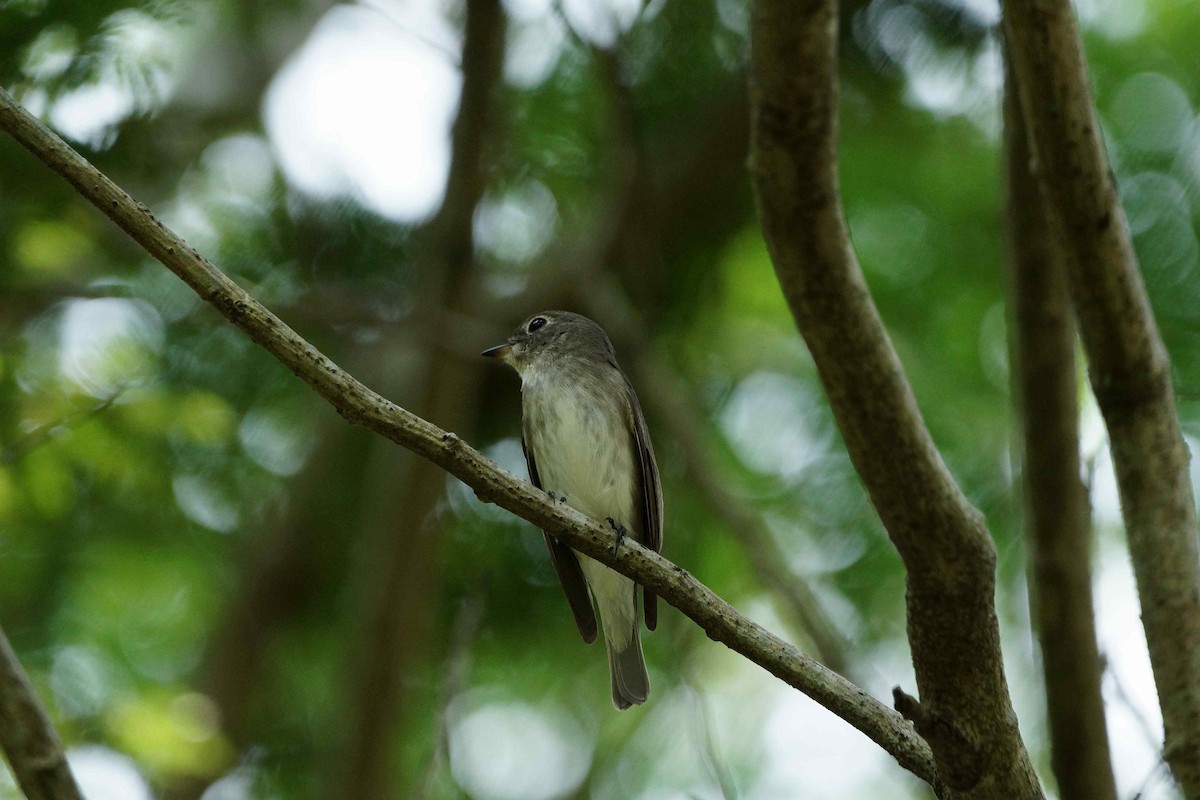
<point>948,555</point>
<point>27,737</point>
<point>1127,363</point>
<point>361,406</point>
<point>1057,516</point>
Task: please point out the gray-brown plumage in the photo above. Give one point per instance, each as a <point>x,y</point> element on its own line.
<point>586,440</point>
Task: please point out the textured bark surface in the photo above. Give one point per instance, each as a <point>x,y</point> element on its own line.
<point>361,406</point>
<point>1127,362</point>
<point>29,741</point>
<point>1057,514</point>
<point>964,712</point>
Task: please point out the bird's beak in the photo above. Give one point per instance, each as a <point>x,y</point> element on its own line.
<point>500,351</point>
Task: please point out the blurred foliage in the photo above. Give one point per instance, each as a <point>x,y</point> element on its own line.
<point>185,529</point>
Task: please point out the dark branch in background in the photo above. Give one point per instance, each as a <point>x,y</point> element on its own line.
<point>1057,514</point>
<point>404,542</point>
<point>279,582</point>
<point>965,712</point>
<point>361,406</point>
<point>29,741</point>
<point>1127,363</point>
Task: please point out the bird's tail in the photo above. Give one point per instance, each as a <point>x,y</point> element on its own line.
<point>630,682</point>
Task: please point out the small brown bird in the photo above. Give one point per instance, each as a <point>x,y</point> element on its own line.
<point>586,443</point>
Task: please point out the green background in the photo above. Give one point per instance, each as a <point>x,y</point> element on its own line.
<point>193,545</point>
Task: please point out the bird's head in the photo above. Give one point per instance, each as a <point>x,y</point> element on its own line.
<point>552,337</point>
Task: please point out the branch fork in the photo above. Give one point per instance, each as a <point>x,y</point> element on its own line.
<point>961,759</point>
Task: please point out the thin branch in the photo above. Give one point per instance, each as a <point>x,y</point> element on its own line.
<point>28,739</point>
<point>1128,365</point>
<point>1058,524</point>
<point>361,406</point>
<point>43,434</point>
<point>1134,709</point>
<point>714,760</point>
<point>948,554</point>
<point>388,14</point>
<point>1160,767</point>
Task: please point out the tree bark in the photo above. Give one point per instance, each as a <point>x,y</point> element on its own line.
<point>1128,365</point>
<point>28,739</point>
<point>361,406</point>
<point>1057,513</point>
<point>965,712</point>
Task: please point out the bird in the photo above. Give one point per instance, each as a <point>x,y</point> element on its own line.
<point>586,444</point>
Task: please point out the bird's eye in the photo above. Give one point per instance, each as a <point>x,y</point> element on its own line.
<point>536,323</point>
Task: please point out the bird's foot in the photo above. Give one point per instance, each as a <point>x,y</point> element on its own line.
<point>620,530</point>
<point>557,498</point>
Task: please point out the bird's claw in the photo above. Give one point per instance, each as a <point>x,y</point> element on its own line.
<point>620,531</point>
<point>557,498</point>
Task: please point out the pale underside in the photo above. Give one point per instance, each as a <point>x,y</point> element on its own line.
<point>578,434</point>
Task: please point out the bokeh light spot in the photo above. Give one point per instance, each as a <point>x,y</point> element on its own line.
<point>364,109</point>
<point>514,751</point>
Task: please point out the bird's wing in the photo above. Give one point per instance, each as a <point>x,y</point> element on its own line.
<point>647,493</point>
<point>570,575</point>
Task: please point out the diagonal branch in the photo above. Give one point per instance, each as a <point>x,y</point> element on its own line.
<point>1127,363</point>
<point>1057,523</point>
<point>361,406</point>
<point>27,738</point>
<point>965,711</point>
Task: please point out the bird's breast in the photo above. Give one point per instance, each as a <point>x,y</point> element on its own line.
<point>581,443</point>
